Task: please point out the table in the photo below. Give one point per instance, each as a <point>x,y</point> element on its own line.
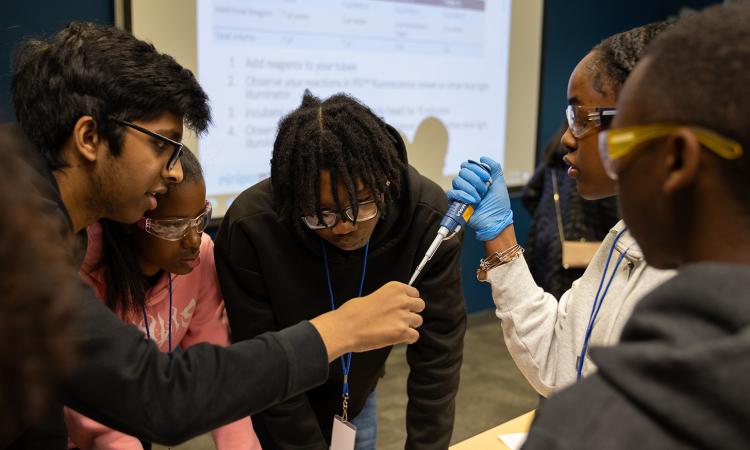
<point>488,440</point>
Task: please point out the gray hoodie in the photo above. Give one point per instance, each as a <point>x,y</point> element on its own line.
<point>678,379</point>
<point>545,336</point>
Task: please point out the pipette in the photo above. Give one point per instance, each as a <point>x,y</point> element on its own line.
<point>456,217</point>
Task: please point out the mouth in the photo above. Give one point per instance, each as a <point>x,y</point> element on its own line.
<point>152,201</point>
<point>191,262</point>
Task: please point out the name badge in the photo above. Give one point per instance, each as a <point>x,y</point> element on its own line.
<point>343,434</point>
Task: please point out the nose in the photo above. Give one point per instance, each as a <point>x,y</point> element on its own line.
<point>175,175</point>
<point>192,239</point>
<point>569,141</point>
<point>344,226</point>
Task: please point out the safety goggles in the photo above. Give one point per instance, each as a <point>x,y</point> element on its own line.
<point>617,143</point>
<point>177,147</point>
<point>583,119</point>
<point>176,229</point>
<point>367,210</point>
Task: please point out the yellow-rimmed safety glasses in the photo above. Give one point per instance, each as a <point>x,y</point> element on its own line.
<point>583,119</point>
<point>616,143</point>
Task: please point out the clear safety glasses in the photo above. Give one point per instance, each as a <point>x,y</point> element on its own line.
<point>617,143</point>
<point>583,119</point>
<point>329,218</point>
<point>176,229</point>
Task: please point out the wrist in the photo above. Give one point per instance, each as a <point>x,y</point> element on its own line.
<point>332,330</point>
<point>503,241</point>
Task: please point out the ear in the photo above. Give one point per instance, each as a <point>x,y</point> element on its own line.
<point>683,160</point>
<point>86,138</point>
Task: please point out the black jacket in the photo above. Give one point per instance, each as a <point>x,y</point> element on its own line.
<point>123,381</point>
<point>679,379</point>
<point>272,277</point>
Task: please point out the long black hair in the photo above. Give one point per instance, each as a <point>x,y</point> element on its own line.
<point>126,284</point>
<point>340,135</point>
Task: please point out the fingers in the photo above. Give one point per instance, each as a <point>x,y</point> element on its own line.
<point>475,179</point>
<point>477,169</point>
<point>461,196</point>
<point>411,291</point>
<point>497,169</point>
<point>412,336</point>
<point>461,184</point>
<point>417,305</point>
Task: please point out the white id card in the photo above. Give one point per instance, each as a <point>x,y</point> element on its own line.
<point>343,434</point>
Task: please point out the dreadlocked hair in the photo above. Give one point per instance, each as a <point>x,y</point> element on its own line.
<point>126,284</point>
<point>344,137</point>
<point>616,56</point>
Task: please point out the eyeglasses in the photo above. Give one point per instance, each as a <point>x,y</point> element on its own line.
<point>583,119</point>
<point>367,210</point>
<point>176,229</point>
<point>617,143</point>
<point>179,147</point>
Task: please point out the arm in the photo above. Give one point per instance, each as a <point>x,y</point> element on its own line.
<point>435,360</point>
<point>538,330</point>
<point>291,424</point>
<point>168,398</point>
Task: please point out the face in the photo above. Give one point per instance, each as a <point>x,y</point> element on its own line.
<point>129,184</point>
<point>183,201</point>
<point>345,234</point>
<point>583,153</point>
<point>652,217</point>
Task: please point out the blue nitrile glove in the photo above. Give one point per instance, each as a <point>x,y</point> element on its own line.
<point>492,204</point>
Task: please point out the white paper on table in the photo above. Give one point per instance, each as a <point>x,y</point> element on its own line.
<point>514,441</point>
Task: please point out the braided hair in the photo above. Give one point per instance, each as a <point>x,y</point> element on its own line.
<point>616,56</point>
<point>344,137</point>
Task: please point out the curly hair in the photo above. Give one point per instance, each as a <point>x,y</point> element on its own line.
<point>38,282</point>
<point>104,72</point>
<point>616,56</point>
<point>340,135</point>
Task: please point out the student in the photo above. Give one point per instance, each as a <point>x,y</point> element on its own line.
<point>342,213</point>
<point>560,215</point>
<point>160,276</point>
<point>680,150</point>
<point>549,340</point>
<point>33,314</point>
<point>105,113</point>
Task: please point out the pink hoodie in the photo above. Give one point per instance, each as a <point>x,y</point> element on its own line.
<point>197,306</point>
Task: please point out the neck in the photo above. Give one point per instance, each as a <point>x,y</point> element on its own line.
<point>74,198</point>
<point>728,243</point>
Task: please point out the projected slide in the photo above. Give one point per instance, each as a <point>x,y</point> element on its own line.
<point>409,60</point>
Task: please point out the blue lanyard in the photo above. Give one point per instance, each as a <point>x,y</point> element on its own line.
<point>145,316</point>
<point>346,363</point>
<point>598,302</point>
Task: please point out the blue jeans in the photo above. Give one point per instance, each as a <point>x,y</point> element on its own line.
<point>367,424</point>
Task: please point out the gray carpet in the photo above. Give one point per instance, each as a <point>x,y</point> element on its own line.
<point>491,391</point>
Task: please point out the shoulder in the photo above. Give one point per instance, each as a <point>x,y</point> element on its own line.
<point>253,201</point>
<point>425,193</point>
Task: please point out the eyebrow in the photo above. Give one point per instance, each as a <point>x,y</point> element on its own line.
<point>574,101</point>
<point>171,133</point>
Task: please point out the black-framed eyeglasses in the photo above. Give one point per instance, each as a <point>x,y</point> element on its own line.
<point>366,210</point>
<point>583,119</point>
<point>179,147</point>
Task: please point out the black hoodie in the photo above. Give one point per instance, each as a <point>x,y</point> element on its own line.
<point>271,277</point>
<point>680,378</point>
<point>123,381</point>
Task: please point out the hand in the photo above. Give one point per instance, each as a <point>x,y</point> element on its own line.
<point>492,212</point>
<point>386,317</point>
